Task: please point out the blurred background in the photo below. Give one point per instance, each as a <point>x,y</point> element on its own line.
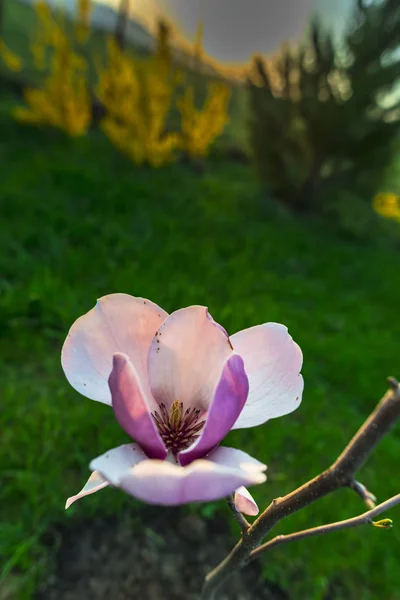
<point>239,155</point>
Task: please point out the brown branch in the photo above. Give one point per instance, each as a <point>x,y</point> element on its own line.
<point>244,524</point>
<point>340,474</point>
<point>370,434</point>
<point>364,519</point>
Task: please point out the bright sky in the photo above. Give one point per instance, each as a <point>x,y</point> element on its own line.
<point>235,29</point>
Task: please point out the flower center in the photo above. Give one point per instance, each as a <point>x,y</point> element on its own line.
<point>178,428</point>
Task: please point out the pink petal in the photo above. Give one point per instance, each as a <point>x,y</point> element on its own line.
<point>231,457</point>
<point>118,323</point>
<point>229,398</point>
<point>163,483</point>
<point>245,502</point>
<point>186,358</point>
<point>95,483</point>
<point>131,407</point>
<point>272,361</point>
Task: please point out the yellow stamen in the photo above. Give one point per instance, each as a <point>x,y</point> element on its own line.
<point>175,413</point>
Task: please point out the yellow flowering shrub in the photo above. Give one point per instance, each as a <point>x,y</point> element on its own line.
<point>48,35</point>
<point>84,10</point>
<point>198,49</point>
<point>137,96</point>
<point>387,205</point>
<point>63,101</point>
<point>200,127</point>
<point>9,58</point>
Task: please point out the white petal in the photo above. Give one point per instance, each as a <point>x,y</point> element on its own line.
<point>115,463</point>
<point>272,362</point>
<point>236,459</point>
<point>164,483</point>
<point>118,323</point>
<point>95,483</point>
<point>186,358</point>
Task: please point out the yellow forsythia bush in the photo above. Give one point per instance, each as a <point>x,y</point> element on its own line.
<point>84,10</point>
<point>63,101</point>
<point>47,36</point>
<point>387,205</point>
<point>137,96</point>
<point>199,128</point>
<point>9,59</point>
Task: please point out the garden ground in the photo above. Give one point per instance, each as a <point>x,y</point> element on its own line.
<point>166,556</point>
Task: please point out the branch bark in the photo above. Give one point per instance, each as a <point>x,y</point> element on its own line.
<point>366,495</point>
<point>364,519</point>
<point>340,474</point>
<point>244,524</point>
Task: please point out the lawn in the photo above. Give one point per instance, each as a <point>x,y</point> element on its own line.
<point>78,221</point>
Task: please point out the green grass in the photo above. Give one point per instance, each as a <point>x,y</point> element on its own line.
<point>79,221</point>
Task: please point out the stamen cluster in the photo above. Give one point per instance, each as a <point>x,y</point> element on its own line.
<point>178,428</point>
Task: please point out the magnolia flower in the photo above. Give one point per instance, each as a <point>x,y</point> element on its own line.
<point>177,385</point>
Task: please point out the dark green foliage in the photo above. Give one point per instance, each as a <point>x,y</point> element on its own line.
<point>324,116</point>
<point>122,22</point>
<point>163,50</point>
<point>1,16</point>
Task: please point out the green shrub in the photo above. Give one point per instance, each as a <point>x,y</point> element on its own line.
<point>324,115</point>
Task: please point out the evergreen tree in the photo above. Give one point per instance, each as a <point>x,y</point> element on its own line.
<point>325,116</point>
<point>163,46</point>
<point>122,22</point>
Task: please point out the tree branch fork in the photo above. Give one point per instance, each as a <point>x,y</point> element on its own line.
<point>340,474</point>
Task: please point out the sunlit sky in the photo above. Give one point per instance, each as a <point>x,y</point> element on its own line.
<point>236,29</point>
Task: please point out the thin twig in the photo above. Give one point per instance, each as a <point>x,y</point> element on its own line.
<point>378,424</point>
<point>340,474</point>
<point>364,493</point>
<point>364,519</point>
<point>244,524</point>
